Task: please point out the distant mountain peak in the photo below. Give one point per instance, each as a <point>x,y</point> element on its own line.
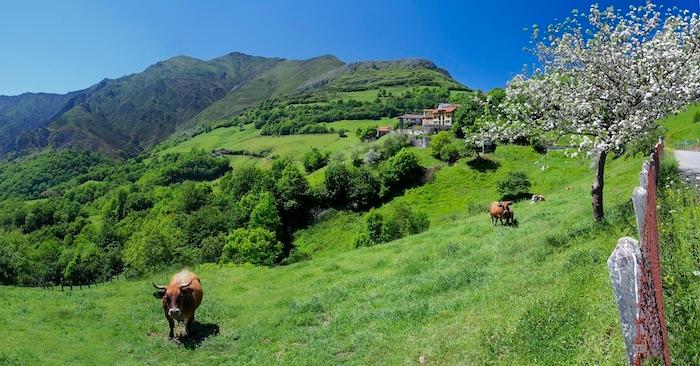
<point>127,115</point>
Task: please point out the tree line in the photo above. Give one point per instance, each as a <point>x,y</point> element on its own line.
<point>139,215</point>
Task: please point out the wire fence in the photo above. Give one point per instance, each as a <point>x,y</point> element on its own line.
<point>635,271</point>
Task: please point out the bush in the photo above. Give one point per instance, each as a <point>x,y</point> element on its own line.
<point>314,160</point>
<point>539,145</point>
<point>401,221</point>
<point>372,157</point>
<point>399,172</point>
<point>256,246</point>
<point>265,215</point>
<point>696,117</point>
<point>196,165</point>
<point>212,247</point>
<point>393,143</point>
<point>248,179</point>
<point>445,148</point>
<point>367,134</point>
<point>515,185</point>
<point>364,189</point>
<point>154,244</point>
<point>337,182</point>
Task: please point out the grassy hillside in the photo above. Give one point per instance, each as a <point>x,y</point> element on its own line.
<point>184,96</point>
<point>379,74</point>
<point>293,146</point>
<point>283,78</point>
<point>683,131</point>
<point>440,294</point>
<point>462,293</point>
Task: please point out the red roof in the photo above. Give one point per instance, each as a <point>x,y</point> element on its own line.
<point>447,107</point>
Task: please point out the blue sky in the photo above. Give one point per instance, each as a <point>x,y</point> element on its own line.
<point>53,46</point>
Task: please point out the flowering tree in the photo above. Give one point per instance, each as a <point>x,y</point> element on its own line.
<point>604,79</point>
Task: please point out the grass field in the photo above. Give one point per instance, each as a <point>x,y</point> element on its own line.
<point>294,146</point>
<point>440,294</point>
<point>683,132</point>
<point>462,293</point>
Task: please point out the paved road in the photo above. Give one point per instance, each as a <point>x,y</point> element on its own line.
<point>688,160</point>
<point>689,164</point>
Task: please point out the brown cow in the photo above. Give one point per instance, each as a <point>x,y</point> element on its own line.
<point>509,216</point>
<point>180,299</point>
<point>500,210</point>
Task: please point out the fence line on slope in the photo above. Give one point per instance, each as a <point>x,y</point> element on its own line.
<point>635,271</point>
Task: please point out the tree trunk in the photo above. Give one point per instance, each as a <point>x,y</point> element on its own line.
<point>597,188</point>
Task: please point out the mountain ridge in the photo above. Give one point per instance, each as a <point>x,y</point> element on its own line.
<point>125,116</point>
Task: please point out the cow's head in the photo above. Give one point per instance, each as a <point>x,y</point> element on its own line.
<point>173,297</point>
<point>506,205</point>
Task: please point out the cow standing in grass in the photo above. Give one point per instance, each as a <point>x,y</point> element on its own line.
<point>501,210</point>
<point>180,299</point>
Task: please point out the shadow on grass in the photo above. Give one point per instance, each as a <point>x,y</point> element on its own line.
<point>200,332</point>
<point>483,165</point>
<point>517,197</point>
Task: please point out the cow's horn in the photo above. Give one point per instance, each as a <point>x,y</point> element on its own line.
<point>158,287</point>
<point>182,287</point>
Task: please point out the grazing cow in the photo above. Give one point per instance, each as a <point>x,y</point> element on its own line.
<point>180,299</point>
<point>509,216</point>
<point>500,210</point>
<point>536,198</point>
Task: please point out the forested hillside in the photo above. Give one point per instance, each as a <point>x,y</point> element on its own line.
<point>126,116</point>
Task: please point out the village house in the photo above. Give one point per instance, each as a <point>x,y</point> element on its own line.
<point>410,120</point>
<point>432,119</point>
<point>439,118</point>
<point>383,130</point>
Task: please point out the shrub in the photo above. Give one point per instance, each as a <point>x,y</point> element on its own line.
<point>399,222</point>
<point>314,160</point>
<point>515,185</point>
<point>296,256</point>
<point>402,221</point>
<point>538,144</point>
<point>399,172</point>
<point>265,215</point>
<point>246,179</point>
<point>256,246</point>
<point>212,247</point>
<point>445,148</point>
<point>393,143</point>
<point>367,134</point>
<point>372,157</point>
<point>696,117</point>
<point>196,165</point>
<point>364,189</point>
<point>153,245</point>
<point>337,182</point>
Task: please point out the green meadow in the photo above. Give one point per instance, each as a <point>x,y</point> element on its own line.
<point>293,146</point>
<point>462,293</point>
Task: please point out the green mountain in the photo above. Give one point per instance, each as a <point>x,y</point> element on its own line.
<point>28,111</point>
<point>125,116</point>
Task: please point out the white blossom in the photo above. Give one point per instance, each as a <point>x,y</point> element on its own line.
<point>604,79</point>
